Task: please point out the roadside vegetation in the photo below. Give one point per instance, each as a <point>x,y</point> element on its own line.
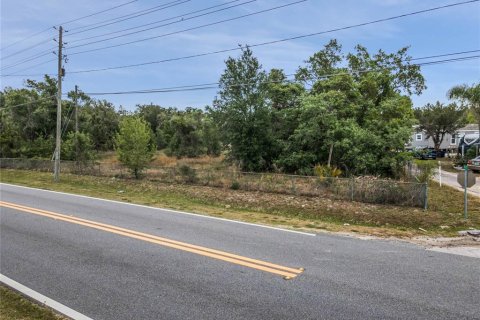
<point>443,218</point>
<point>343,115</point>
<point>13,306</point>
<point>332,113</point>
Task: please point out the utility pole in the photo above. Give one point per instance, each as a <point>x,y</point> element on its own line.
<point>56,173</point>
<point>76,122</point>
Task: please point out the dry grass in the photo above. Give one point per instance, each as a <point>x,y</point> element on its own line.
<point>162,160</point>
<point>444,217</point>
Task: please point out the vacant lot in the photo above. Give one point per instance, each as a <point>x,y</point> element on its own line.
<point>444,217</point>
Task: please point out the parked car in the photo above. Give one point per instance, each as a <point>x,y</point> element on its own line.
<point>425,154</point>
<point>474,164</point>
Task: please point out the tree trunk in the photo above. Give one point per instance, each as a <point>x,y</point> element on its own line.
<point>330,155</point>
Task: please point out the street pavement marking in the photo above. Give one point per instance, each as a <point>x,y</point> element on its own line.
<point>198,215</point>
<point>72,314</point>
<point>286,272</point>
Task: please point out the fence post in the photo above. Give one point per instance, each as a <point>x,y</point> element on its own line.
<point>294,189</point>
<point>425,200</point>
<point>352,188</point>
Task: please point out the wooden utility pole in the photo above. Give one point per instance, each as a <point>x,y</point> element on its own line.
<point>56,173</point>
<point>76,122</point>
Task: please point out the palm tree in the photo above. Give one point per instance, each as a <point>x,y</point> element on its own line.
<point>469,96</point>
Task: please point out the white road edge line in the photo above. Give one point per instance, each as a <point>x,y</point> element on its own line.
<point>167,210</point>
<point>42,299</point>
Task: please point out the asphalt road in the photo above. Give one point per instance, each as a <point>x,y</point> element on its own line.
<point>450,179</point>
<point>108,275</point>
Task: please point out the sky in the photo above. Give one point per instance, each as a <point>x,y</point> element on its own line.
<point>27,31</point>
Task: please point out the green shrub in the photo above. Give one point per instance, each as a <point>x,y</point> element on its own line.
<point>427,170</point>
<point>188,174</point>
<point>471,153</point>
<point>235,185</point>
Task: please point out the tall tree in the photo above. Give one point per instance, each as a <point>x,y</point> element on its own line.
<point>100,120</point>
<point>469,96</point>
<point>187,136</point>
<point>438,119</point>
<point>134,144</point>
<point>242,112</point>
<point>357,115</point>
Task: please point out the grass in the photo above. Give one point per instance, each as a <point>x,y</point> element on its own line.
<point>15,307</point>
<point>444,217</point>
<point>447,164</point>
<point>162,160</point>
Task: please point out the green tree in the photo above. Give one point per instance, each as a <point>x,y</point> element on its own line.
<point>187,136</point>
<point>243,115</point>
<point>211,136</point>
<point>469,96</point>
<point>28,116</point>
<point>78,147</point>
<point>281,93</point>
<point>357,115</point>
<point>134,144</point>
<point>438,119</point>
<point>100,120</point>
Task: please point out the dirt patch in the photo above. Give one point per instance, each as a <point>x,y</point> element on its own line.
<point>444,242</point>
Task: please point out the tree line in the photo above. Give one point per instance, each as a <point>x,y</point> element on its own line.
<point>350,111</point>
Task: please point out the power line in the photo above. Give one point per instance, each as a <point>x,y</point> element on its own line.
<point>127,17</point>
<point>272,42</point>
<point>446,55</point>
<point>66,22</point>
<point>214,85</point>
<point>28,48</point>
<point>99,12</point>
<point>28,68</point>
<point>448,60</point>
<point>152,91</point>
<point>26,38</point>
<point>34,101</point>
<point>177,32</point>
<point>31,58</point>
<point>167,19</point>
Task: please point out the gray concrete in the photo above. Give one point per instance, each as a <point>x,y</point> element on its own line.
<point>107,276</point>
<point>450,179</point>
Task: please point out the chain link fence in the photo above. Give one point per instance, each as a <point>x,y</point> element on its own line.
<point>361,189</point>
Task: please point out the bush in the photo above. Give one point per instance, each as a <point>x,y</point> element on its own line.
<point>134,144</point>
<point>235,185</point>
<point>427,170</point>
<point>188,174</point>
<point>471,153</point>
<point>323,171</point>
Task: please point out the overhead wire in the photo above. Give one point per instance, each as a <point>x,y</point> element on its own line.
<point>27,103</point>
<point>180,31</point>
<point>66,22</point>
<point>98,12</point>
<point>28,48</point>
<point>43,53</point>
<point>15,74</point>
<point>183,19</point>
<point>129,16</point>
<point>31,58</point>
<point>271,42</point>
<point>214,85</point>
<point>26,38</point>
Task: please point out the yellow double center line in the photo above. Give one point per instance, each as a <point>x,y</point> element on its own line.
<point>286,272</point>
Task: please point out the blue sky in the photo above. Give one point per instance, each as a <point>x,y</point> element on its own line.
<point>445,31</point>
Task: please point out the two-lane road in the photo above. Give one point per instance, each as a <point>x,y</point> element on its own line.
<point>110,260</point>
